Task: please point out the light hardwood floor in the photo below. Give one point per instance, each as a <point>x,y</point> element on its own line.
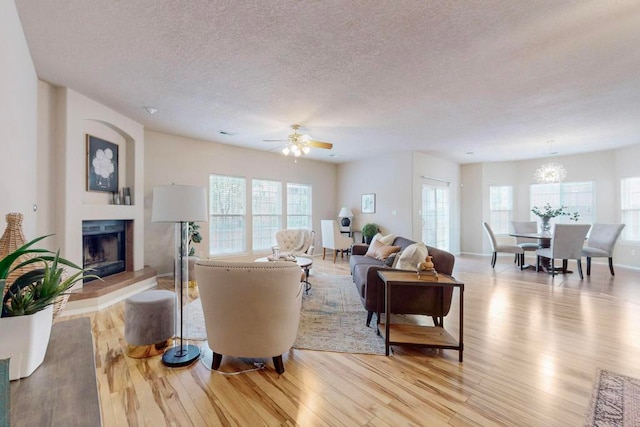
<point>532,346</point>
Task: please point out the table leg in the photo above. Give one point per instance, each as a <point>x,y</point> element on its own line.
<point>307,285</point>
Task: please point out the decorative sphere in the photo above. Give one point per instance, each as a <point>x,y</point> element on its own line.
<point>345,222</point>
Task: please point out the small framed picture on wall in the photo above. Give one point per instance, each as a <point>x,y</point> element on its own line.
<point>102,165</point>
<point>368,203</point>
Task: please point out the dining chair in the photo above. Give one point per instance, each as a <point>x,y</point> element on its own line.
<point>526,243</point>
<point>566,244</point>
<point>333,239</point>
<point>601,241</point>
<point>495,247</point>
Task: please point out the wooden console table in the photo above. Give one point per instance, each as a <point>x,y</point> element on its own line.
<point>424,336</point>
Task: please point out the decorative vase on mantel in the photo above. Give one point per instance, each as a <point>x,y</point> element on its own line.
<point>545,224</point>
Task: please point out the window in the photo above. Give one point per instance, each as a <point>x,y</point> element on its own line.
<point>576,196</point>
<point>501,208</point>
<point>227,227</point>
<point>266,208</point>
<point>435,216</point>
<point>298,206</point>
<point>630,208</point>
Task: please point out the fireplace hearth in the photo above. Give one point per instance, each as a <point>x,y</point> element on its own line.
<point>104,247</point>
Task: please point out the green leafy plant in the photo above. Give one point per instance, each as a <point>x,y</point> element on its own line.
<point>547,212</point>
<point>369,230</point>
<point>38,288</point>
<point>194,236</point>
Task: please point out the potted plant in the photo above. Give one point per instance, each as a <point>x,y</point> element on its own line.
<point>547,212</point>
<point>368,231</point>
<point>194,237</point>
<point>27,304</point>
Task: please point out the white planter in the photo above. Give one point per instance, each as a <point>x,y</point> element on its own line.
<point>24,339</point>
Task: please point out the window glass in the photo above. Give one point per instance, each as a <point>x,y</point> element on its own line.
<point>435,216</point>
<point>575,196</point>
<point>501,208</point>
<point>227,225</point>
<point>298,206</point>
<point>630,208</point>
<point>266,208</point>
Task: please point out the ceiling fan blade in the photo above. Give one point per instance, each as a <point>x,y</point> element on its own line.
<point>320,144</point>
<point>274,140</point>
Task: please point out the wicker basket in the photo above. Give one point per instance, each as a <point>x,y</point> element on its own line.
<point>12,239</point>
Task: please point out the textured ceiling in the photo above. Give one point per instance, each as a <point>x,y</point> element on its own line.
<point>496,78</point>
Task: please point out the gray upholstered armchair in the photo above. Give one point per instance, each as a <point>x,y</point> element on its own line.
<point>602,240</point>
<point>251,309</point>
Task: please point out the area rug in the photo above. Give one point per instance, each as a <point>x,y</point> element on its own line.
<point>333,318</point>
<point>615,401</point>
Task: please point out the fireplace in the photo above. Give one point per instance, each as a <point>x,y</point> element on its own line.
<point>104,246</point>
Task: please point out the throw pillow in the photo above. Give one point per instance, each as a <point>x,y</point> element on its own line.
<point>384,251</point>
<point>411,256</point>
<point>385,240</point>
<point>373,247</point>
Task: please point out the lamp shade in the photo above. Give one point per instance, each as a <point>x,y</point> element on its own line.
<point>179,203</point>
<point>345,212</point>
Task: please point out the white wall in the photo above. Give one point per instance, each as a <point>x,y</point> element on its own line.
<point>180,160</point>
<point>18,108</point>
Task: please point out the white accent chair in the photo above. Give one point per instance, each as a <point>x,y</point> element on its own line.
<point>251,309</point>
<point>566,244</point>
<point>602,239</point>
<point>527,244</point>
<point>298,242</point>
<point>495,247</point>
<point>333,239</point>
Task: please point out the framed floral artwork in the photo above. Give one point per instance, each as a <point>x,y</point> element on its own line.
<point>368,203</point>
<point>102,165</point>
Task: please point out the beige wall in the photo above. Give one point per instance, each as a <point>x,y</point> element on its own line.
<point>173,159</point>
<point>18,108</point>
<point>389,178</point>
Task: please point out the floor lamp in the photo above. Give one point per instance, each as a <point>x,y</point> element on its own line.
<point>180,204</point>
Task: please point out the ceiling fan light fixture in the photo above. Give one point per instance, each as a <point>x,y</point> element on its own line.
<point>286,151</point>
<point>306,149</point>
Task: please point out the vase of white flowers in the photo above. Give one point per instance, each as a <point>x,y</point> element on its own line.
<point>547,212</point>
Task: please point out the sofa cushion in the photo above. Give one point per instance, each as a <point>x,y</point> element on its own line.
<point>403,243</point>
<point>411,256</point>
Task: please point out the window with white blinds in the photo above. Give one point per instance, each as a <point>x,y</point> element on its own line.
<point>298,206</point>
<point>227,226</point>
<point>501,208</point>
<point>575,196</point>
<point>630,208</point>
<point>435,216</point>
<point>266,209</point>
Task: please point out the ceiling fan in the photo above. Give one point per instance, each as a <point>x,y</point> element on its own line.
<point>299,144</point>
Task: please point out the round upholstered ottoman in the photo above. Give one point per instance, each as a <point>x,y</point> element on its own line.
<point>149,322</point>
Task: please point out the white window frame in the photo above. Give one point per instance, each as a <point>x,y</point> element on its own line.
<point>299,206</point>
<point>436,216</point>
<point>500,208</point>
<point>575,196</point>
<point>266,212</point>
<point>228,215</point>
<point>630,209</point>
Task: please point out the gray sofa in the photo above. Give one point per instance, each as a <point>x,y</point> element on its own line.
<point>409,300</point>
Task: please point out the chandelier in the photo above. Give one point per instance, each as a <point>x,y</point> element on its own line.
<point>550,173</point>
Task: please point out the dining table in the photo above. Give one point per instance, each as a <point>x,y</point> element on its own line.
<point>544,241</point>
